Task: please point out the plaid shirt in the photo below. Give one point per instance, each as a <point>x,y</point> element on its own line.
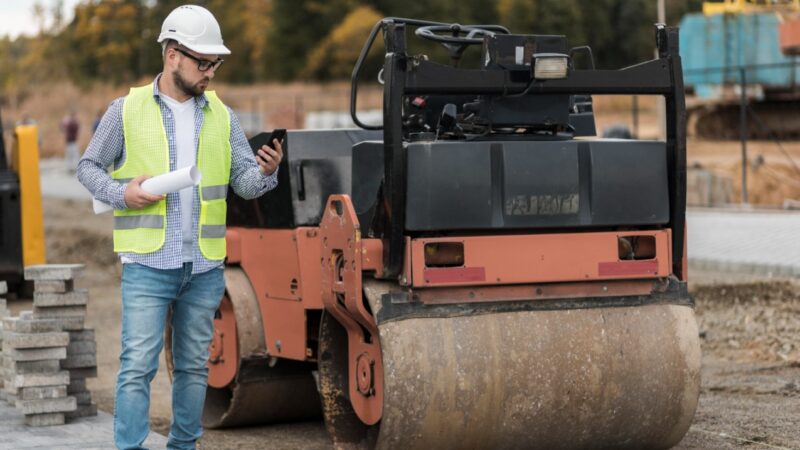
<point>107,147</point>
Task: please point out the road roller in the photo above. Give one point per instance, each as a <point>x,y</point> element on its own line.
<point>479,270</point>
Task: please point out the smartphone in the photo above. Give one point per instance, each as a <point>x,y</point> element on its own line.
<point>277,133</point>
<point>261,139</point>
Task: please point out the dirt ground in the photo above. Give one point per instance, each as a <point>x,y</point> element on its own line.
<point>750,392</point>
<point>749,328</point>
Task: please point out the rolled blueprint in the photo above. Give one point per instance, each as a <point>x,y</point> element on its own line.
<point>160,185</point>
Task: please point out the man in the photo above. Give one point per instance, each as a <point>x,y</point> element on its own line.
<point>70,128</point>
<point>172,247</point>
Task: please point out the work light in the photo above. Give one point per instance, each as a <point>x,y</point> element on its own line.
<point>549,66</point>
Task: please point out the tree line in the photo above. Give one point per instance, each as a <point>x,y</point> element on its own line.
<point>308,40</point>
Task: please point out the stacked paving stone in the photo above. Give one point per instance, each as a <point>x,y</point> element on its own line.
<point>54,295</point>
<point>34,380</point>
<point>56,299</point>
<point>82,364</point>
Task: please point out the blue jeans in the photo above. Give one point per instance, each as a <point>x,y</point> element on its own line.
<point>147,295</point>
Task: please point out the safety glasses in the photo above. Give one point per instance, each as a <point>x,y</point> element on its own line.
<point>202,64</point>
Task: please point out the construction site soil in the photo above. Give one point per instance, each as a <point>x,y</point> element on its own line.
<point>750,393</point>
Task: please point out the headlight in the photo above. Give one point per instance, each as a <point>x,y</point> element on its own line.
<point>549,66</point>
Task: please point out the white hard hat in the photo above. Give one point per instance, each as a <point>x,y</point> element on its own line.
<point>195,28</point>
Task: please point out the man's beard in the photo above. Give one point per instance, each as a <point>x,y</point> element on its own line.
<point>188,89</point>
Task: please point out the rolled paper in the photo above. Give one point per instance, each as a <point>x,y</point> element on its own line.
<point>160,185</point>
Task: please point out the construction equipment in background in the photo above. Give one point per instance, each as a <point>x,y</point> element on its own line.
<point>479,271</point>
<point>21,224</point>
<point>736,43</point>
<point>711,8</point>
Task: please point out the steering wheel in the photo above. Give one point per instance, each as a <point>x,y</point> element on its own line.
<point>459,34</point>
<point>456,38</point>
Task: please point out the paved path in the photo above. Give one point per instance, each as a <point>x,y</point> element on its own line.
<point>91,433</point>
<point>58,182</point>
<point>757,242</point>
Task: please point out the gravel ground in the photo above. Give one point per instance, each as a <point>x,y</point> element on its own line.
<point>750,394</point>
<point>749,327</point>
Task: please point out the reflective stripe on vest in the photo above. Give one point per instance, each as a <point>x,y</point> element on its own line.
<point>215,192</point>
<point>147,153</point>
<point>212,231</point>
<point>133,222</point>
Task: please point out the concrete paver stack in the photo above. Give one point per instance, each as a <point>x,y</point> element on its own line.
<point>35,383</point>
<point>81,362</point>
<point>47,353</point>
<point>56,298</point>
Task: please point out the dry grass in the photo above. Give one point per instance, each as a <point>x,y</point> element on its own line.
<point>279,105</point>
<point>771,176</point>
<point>48,104</point>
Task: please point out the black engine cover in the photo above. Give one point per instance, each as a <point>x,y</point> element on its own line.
<point>460,185</point>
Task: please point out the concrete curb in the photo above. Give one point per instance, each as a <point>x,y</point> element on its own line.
<point>744,267</point>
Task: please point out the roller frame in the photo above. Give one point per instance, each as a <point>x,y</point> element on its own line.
<point>342,297</point>
<point>245,385</point>
<point>237,339</point>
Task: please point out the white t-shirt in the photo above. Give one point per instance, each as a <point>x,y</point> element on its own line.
<point>186,152</point>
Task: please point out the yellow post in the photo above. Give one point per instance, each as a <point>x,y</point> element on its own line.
<point>25,161</point>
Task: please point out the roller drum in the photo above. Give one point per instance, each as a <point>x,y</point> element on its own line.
<point>259,390</point>
<point>566,379</point>
<point>263,395</point>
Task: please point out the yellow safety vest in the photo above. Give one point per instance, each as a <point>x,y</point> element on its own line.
<point>147,153</point>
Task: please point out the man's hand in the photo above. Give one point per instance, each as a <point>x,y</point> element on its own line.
<point>269,159</point>
<point>136,197</point>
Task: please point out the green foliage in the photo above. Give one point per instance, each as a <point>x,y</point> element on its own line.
<point>333,58</point>
<point>543,17</point>
<point>245,33</point>
<point>11,74</point>
<point>115,40</point>
<point>103,41</point>
<point>298,27</point>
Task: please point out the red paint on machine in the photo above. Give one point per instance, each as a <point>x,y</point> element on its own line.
<point>455,274</point>
<point>617,268</point>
